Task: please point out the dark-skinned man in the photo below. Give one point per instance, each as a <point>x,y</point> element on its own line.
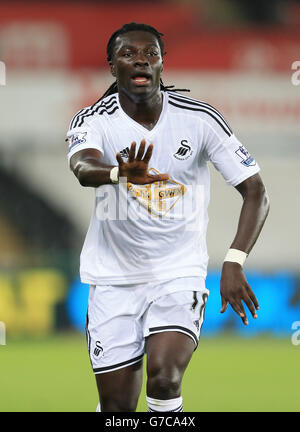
<point>145,149</point>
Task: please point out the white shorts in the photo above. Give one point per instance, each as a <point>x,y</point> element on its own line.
<point>119,318</point>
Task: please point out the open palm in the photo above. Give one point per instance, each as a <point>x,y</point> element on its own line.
<point>136,168</point>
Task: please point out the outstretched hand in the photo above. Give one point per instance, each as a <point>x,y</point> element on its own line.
<point>234,289</point>
<point>136,168</point>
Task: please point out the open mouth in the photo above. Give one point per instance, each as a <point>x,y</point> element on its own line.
<point>141,78</point>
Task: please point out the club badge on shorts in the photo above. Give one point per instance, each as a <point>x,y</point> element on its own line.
<point>98,351</point>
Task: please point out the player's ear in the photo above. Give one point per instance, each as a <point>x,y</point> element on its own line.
<point>162,65</point>
<point>112,69</point>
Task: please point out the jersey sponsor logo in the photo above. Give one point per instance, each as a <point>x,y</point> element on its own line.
<point>247,159</point>
<point>184,151</point>
<point>76,139</point>
<point>158,197</point>
<point>98,351</point>
<point>125,153</point>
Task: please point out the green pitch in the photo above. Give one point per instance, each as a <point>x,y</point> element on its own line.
<point>225,374</point>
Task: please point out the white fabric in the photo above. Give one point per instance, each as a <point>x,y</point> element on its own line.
<point>114,174</point>
<point>121,317</point>
<point>167,405</point>
<point>154,232</point>
<point>235,255</point>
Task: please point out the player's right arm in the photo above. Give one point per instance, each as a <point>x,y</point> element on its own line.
<point>90,170</point>
<point>87,148</point>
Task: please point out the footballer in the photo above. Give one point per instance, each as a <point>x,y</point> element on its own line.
<point>144,147</point>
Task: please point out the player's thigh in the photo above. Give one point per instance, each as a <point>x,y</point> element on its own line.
<point>119,390</point>
<point>168,355</point>
<point>172,330</point>
<point>168,352</point>
<point>116,345</point>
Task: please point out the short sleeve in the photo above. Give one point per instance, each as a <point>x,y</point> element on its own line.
<point>84,137</point>
<point>229,156</point>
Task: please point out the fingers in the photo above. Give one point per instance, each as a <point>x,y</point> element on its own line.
<point>239,309</point>
<point>136,168</point>
<point>251,308</point>
<point>224,305</point>
<point>162,177</point>
<point>131,155</point>
<point>237,306</point>
<point>159,177</point>
<point>141,150</point>
<point>235,300</point>
<point>119,159</point>
<point>252,297</point>
<point>148,154</point>
<point>140,153</point>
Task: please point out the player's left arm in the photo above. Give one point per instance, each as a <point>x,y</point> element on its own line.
<point>255,208</point>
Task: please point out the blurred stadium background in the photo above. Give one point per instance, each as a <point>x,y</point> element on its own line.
<point>237,55</point>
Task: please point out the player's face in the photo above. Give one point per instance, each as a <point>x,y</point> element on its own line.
<point>137,63</point>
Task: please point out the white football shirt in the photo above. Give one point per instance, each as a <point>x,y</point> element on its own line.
<point>142,233</point>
